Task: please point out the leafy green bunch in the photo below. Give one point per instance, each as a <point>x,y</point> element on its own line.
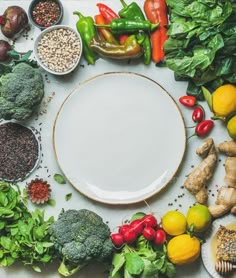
<point>143,260</point>
<point>23,235</point>
<point>201,43</point>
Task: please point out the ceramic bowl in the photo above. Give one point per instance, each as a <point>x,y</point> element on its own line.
<point>56,49</point>
<point>33,20</point>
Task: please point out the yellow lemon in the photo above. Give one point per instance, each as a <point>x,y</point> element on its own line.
<point>183,249</point>
<point>174,223</point>
<point>231,127</point>
<point>200,217</point>
<point>224,100</point>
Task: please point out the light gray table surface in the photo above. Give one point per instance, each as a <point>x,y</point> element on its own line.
<point>172,194</point>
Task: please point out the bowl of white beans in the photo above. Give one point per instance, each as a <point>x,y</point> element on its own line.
<point>58,49</point>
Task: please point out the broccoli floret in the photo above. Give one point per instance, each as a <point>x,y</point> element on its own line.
<point>81,237</point>
<point>21,91</point>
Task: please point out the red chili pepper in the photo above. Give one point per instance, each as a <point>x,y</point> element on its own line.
<point>156,12</point>
<point>188,101</point>
<point>204,127</point>
<point>104,33</point>
<point>109,14</point>
<point>198,114</point>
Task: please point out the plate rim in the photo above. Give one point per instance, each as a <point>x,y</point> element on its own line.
<point>118,202</point>
<point>205,249</point>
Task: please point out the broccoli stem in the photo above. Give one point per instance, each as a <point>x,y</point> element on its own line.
<point>65,271</point>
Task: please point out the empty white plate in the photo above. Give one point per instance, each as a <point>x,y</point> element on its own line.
<point>119,138</point>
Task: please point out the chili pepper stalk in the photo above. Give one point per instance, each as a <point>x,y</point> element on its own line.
<point>121,25</point>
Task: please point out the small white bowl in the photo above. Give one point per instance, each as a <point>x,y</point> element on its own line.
<point>42,62</point>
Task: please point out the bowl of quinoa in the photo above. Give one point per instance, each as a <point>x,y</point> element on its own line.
<point>58,49</point>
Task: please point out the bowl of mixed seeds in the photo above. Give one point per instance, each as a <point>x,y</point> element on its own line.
<point>58,49</point>
<point>45,13</point>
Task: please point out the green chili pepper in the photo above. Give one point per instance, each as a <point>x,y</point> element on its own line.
<point>129,50</point>
<point>86,28</point>
<point>133,11</point>
<point>123,25</point>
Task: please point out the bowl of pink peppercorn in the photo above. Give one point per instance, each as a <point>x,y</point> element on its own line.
<point>45,13</point>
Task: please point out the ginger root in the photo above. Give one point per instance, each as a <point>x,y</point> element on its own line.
<point>228,148</point>
<point>230,171</point>
<point>225,201</point>
<point>198,178</point>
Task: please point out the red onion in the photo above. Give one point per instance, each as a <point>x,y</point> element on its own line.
<point>13,21</point>
<point>4,48</point>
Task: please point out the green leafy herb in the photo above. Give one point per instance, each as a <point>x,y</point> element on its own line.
<point>52,202</point>
<point>68,196</point>
<point>208,97</point>
<point>59,179</point>
<point>201,43</point>
<point>143,259</point>
<point>23,234</point>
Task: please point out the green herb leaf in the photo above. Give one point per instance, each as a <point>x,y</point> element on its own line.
<point>134,264</point>
<point>68,196</point>
<point>208,97</point>
<point>59,179</point>
<point>36,268</point>
<point>52,202</point>
<point>117,263</point>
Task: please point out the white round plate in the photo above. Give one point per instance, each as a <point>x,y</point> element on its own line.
<point>207,251</point>
<point>119,138</point>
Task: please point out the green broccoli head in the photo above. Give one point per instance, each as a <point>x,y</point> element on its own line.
<point>21,91</point>
<point>81,237</point>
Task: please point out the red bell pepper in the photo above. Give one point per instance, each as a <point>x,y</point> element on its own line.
<point>156,12</point>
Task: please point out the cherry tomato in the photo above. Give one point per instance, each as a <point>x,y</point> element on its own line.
<point>149,233</point>
<point>130,236</point>
<point>204,127</point>
<point>149,221</point>
<point>137,226</point>
<point>160,237</point>
<point>117,239</point>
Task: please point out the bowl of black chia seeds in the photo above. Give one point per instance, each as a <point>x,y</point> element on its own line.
<point>19,151</point>
<point>58,49</point>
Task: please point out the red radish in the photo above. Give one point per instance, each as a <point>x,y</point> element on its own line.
<point>149,221</point>
<point>160,237</point>
<point>137,226</point>
<point>124,228</point>
<point>130,236</point>
<point>149,233</point>
<point>117,239</point>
